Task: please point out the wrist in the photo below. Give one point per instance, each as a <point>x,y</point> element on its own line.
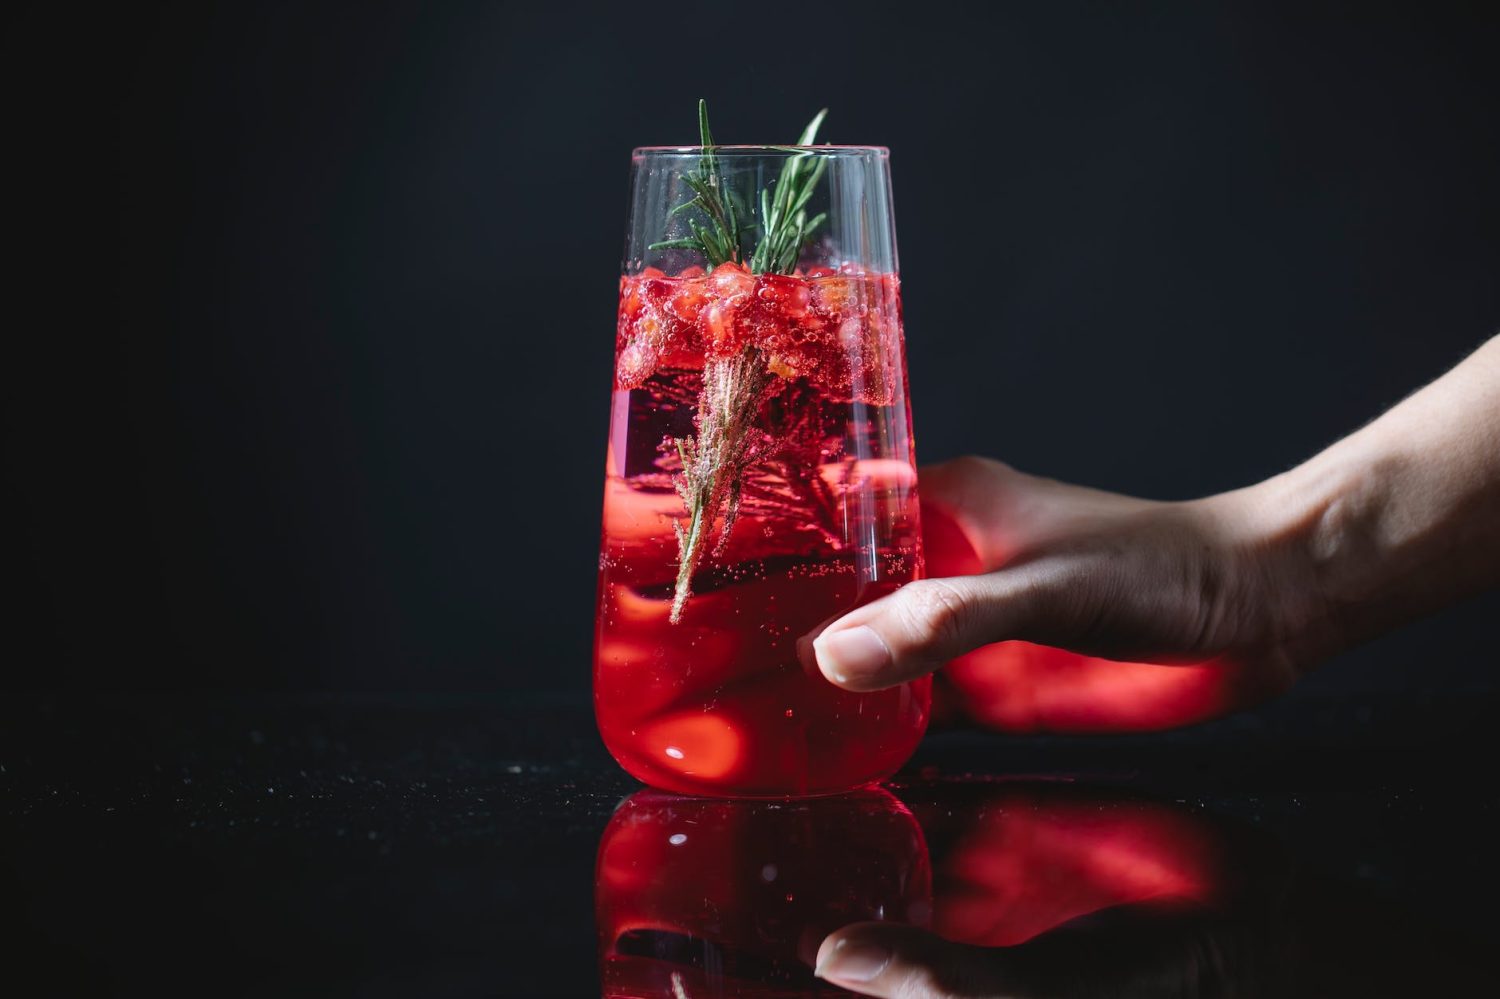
<point>1302,539</point>
<point>1391,523</point>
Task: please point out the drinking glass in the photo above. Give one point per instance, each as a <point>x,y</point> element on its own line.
<point>760,476</point>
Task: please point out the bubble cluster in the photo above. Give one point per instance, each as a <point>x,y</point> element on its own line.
<point>838,329</point>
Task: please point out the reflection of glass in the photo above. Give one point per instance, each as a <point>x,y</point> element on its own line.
<point>1075,889</point>
<point>1032,889</point>
<point>760,475</point>
<point>710,898</point>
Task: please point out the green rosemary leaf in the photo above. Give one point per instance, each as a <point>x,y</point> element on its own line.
<point>708,165</point>
<point>676,244</point>
<point>803,196</point>
<point>734,198</point>
<point>704,240</point>
<point>700,188</point>
<point>703,132</point>
<point>811,131</point>
<point>720,234</point>
<point>817,173</point>
<point>783,225</point>
<point>794,246</point>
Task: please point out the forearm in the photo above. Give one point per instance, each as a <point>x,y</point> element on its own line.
<point>1394,521</point>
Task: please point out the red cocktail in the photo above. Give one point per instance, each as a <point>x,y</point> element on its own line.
<point>760,476</point>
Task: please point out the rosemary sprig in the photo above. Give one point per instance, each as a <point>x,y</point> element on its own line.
<point>785,225</point>
<point>716,459</point>
<point>721,238</point>
<point>714,462</point>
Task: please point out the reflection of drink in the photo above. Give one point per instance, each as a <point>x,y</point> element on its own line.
<point>820,516</point>
<point>711,898</point>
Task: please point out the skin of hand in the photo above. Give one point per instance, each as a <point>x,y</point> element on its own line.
<point>1063,608</point>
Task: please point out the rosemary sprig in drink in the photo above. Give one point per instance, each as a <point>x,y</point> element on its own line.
<point>721,238</point>
<point>716,458</point>
<point>714,462</point>
<point>784,213</point>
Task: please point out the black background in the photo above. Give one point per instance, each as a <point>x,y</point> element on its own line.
<point>314,389</point>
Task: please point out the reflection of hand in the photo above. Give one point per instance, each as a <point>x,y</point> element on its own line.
<point>1148,950</point>
<point>1251,587</point>
<point>1053,890</point>
<point>1057,890</point>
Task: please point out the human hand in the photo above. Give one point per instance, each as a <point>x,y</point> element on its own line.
<point>1119,614</point>
<point>1122,583</point>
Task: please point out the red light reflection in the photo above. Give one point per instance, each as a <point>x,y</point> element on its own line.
<point>1014,860</point>
<point>1021,687</point>
<point>703,897</point>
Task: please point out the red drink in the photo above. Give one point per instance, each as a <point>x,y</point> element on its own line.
<point>815,513</point>
<point>732,898</point>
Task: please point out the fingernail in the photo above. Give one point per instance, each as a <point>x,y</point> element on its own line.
<point>853,961</point>
<point>851,653</point>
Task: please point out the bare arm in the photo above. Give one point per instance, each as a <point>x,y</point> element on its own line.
<point>1398,519</point>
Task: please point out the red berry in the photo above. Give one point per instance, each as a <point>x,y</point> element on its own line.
<point>729,278</point>
<point>656,290</point>
<point>722,320</point>
<point>631,300</point>
<point>688,301</point>
<point>787,295</point>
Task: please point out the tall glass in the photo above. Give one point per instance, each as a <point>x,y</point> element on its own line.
<point>760,477</point>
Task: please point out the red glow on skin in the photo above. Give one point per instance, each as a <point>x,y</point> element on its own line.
<point>1022,687</point>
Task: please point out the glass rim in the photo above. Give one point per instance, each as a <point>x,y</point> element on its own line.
<point>779,149</point>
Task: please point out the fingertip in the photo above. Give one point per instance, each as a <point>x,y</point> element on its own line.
<point>854,658</point>
<point>890,959</point>
<point>844,959</point>
<point>825,950</point>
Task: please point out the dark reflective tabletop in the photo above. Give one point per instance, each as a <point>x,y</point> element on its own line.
<point>410,845</point>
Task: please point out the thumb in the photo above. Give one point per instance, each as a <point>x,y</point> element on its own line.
<point>919,628</point>
<point>890,959</point>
